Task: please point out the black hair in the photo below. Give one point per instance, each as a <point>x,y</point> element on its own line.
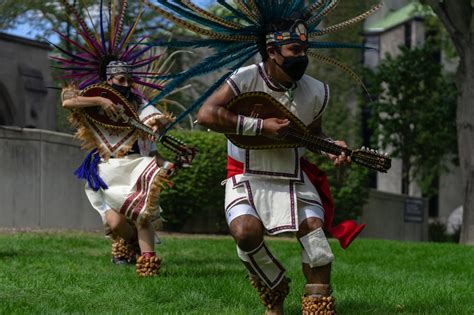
<point>103,66</point>
<point>275,26</point>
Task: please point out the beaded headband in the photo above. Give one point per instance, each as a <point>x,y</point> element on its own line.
<point>117,67</point>
<point>298,33</point>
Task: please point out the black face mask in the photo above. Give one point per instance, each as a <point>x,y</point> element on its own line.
<point>124,90</point>
<point>294,67</point>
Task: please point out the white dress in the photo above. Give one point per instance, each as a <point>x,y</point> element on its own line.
<point>132,180</point>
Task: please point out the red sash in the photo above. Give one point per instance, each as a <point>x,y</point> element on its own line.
<point>345,231</point>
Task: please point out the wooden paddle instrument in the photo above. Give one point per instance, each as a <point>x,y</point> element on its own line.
<point>262,105</point>
<point>128,119</point>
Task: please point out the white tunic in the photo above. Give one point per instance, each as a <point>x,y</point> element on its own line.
<point>273,182</point>
<point>133,184</point>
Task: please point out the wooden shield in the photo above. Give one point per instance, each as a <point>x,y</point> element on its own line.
<point>262,105</point>
<point>97,115</point>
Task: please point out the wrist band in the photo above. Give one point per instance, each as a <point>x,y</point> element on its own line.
<point>167,165</point>
<point>248,126</point>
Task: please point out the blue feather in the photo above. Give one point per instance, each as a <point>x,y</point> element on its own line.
<point>210,64</point>
<point>336,45</point>
<point>198,103</point>
<point>194,17</point>
<point>237,14</point>
<point>211,43</point>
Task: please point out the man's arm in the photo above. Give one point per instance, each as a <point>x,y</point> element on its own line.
<point>71,100</point>
<point>316,129</point>
<point>214,115</point>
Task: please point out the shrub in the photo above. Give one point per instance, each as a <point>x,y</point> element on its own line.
<point>349,187</point>
<point>196,201</point>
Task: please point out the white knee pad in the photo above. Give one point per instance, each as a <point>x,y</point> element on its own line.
<point>263,264</point>
<point>316,249</point>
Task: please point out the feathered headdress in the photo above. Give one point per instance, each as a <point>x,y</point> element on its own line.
<point>102,44</point>
<point>236,38</point>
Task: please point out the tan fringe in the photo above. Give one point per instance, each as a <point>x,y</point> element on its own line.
<point>153,201</point>
<point>325,12</point>
<point>197,29</point>
<point>345,24</point>
<point>210,16</point>
<point>341,65</point>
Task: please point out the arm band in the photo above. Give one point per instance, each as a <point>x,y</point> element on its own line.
<point>248,126</point>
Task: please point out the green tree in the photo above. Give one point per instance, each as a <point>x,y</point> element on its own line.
<point>415,114</point>
<point>458,19</point>
<point>44,17</point>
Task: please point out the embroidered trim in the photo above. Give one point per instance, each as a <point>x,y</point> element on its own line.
<point>233,86</point>
<point>325,102</point>
<point>278,229</point>
<point>131,201</point>
<point>265,78</point>
<point>240,124</point>
<point>234,202</point>
<point>259,126</point>
<point>260,272</point>
<point>293,210</point>
<point>248,190</point>
<point>144,194</point>
<point>130,137</point>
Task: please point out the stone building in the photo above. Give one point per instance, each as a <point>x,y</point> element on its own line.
<point>25,74</point>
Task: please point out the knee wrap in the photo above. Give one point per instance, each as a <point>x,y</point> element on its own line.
<point>316,249</point>
<point>263,264</point>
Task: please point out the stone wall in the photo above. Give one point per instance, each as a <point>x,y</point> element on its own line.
<point>38,187</point>
<point>39,190</point>
<point>386,218</point>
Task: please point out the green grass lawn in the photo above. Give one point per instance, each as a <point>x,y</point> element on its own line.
<point>62,272</point>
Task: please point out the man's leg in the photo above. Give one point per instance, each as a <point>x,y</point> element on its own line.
<point>148,264</point>
<point>317,257</point>
<point>266,273</point>
<point>124,238</point>
<point>119,226</point>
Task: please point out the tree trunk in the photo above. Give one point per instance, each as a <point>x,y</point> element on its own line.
<point>465,127</point>
<point>457,17</point>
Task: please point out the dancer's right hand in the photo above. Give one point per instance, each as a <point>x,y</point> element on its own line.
<point>275,127</point>
<point>108,106</point>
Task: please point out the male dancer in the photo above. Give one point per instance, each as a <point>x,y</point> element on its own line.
<point>269,195</point>
<point>270,190</point>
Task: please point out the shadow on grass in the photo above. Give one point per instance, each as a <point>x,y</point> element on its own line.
<point>10,254</point>
<point>403,307</point>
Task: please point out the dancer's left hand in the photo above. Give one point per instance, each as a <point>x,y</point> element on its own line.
<point>342,159</point>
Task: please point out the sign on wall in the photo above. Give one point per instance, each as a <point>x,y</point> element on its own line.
<point>414,210</point>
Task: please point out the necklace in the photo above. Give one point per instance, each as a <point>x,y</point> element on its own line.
<point>290,92</point>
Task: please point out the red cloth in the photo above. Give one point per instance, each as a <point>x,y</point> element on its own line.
<point>345,231</point>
